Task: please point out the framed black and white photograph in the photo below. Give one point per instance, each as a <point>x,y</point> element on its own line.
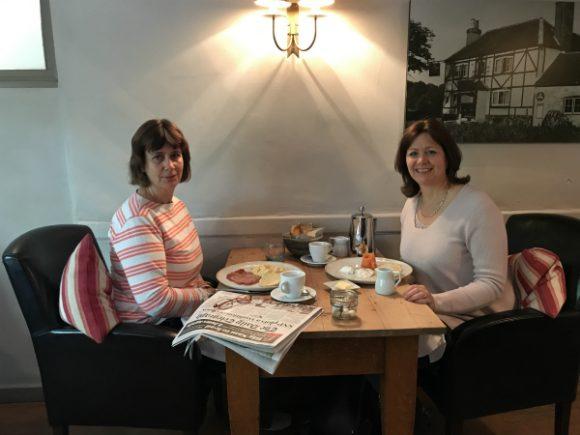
<point>496,70</point>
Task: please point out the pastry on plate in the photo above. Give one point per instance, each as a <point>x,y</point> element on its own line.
<point>369,261</point>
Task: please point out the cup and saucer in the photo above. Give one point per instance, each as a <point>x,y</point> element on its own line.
<point>292,288</point>
<point>310,261</point>
<point>319,254</point>
<point>307,294</point>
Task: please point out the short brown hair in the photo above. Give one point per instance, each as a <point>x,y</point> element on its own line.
<point>151,136</point>
<point>439,134</point>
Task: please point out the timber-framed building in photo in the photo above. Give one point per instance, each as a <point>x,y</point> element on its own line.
<point>495,75</point>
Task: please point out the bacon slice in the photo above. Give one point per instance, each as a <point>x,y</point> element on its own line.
<point>243,277</point>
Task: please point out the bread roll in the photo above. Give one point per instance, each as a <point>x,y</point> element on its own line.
<point>295,230</point>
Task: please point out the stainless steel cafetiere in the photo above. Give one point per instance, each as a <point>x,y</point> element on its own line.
<point>362,232</point>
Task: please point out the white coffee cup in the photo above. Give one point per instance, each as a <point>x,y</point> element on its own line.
<point>385,283</point>
<point>292,283</point>
<point>340,246</point>
<point>319,251</point>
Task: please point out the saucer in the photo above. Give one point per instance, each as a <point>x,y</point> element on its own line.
<point>307,294</point>
<point>308,260</point>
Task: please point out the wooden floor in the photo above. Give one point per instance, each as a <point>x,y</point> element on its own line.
<point>30,419</point>
<point>533,421</point>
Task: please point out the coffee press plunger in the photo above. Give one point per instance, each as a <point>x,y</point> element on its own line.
<point>362,232</point>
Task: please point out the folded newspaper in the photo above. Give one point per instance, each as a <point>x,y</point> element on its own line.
<point>256,327</point>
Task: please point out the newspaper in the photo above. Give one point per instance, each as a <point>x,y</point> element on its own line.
<point>256,327</point>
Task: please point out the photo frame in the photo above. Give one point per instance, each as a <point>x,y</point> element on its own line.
<point>501,71</point>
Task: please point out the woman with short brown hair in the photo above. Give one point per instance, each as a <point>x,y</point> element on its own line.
<point>156,256</point>
<point>151,136</point>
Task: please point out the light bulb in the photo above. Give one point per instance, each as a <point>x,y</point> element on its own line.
<point>315,4</point>
<point>273,5</point>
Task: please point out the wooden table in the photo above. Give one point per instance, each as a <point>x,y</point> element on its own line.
<point>383,340</point>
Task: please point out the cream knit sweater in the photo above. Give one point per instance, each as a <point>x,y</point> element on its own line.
<point>461,257</point>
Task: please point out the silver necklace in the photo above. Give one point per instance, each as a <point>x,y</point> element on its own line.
<point>419,224</point>
<point>437,209</point>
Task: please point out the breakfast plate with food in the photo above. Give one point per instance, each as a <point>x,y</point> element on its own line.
<point>362,269</point>
<point>253,276</point>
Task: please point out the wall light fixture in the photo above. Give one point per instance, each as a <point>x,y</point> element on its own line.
<point>292,11</point>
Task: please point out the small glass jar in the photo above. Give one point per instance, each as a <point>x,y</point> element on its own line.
<point>343,304</point>
<point>274,251</point>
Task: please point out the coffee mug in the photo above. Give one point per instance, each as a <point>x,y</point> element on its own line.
<point>386,283</point>
<point>340,246</point>
<point>292,283</point>
<point>319,251</point>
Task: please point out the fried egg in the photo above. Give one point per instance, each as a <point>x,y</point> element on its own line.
<point>364,273</point>
<point>270,279</point>
<point>263,269</point>
<point>347,270</point>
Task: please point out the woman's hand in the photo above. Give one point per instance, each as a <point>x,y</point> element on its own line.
<point>208,289</point>
<point>419,294</point>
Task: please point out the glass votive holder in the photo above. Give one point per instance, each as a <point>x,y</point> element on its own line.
<point>343,304</point>
<point>274,251</point>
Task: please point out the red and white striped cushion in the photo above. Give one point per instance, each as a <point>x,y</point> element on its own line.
<point>85,292</point>
<point>539,278</point>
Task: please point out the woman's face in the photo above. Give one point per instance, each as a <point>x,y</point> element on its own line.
<point>426,161</point>
<point>164,168</point>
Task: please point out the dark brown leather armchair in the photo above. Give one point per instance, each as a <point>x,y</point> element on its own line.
<point>134,378</point>
<point>516,359</point>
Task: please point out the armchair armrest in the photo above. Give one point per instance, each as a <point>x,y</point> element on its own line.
<point>523,351</point>
<point>491,321</point>
<point>519,323</point>
<point>144,331</point>
<point>135,330</point>
<point>127,342</point>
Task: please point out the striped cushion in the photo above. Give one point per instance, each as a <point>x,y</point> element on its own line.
<point>85,292</point>
<point>539,280</point>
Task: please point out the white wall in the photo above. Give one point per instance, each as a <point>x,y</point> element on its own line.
<point>273,140</point>
<point>267,135</point>
<point>34,192</point>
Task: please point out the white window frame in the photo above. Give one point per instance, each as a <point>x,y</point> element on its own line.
<point>503,65</point>
<point>496,98</point>
<point>461,69</point>
<point>44,78</point>
<point>575,100</point>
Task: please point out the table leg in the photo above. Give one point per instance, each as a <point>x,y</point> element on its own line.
<point>243,395</point>
<point>399,385</point>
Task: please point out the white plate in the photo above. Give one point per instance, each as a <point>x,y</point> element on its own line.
<point>352,285</point>
<point>221,276</point>
<point>308,260</point>
<point>307,294</point>
<point>333,268</point>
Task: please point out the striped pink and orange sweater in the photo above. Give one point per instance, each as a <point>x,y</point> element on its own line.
<point>156,261</point>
